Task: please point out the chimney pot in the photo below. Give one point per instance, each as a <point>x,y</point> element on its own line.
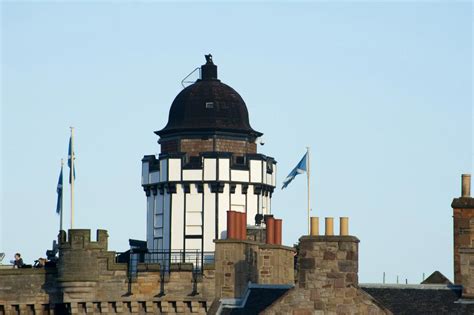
<point>329,226</point>
<point>314,226</point>
<point>343,226</point>
<point>466,185</point>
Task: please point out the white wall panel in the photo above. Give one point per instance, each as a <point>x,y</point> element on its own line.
<point>149,225</point>
<point>209,218</point>
<point>193,230</point>
<point>193,244</point>
<point>163,170</point>
<point>223,207</point>
<point>224,166</point>
<point>174,169</point>
<point>154,177</point>
<point>166,219</point>
<point>237,199</point>
<point>255,171</point>
<point>251,205</point>
<point>239,176</point>
<point>194,218</point>
<point>210,166</point>
<point>177,218</point>
<point>145,170</point>
<point>192,174</point>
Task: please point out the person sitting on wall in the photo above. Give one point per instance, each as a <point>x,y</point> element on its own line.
<point>18,262</point>
<point>40,263</point>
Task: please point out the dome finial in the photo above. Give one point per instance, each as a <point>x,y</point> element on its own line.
<point>209,70</point>
<point>208,59</point>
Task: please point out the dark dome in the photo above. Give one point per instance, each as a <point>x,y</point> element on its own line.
<point>208,106</point>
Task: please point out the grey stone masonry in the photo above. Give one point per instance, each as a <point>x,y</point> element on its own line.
<point>327,280</point>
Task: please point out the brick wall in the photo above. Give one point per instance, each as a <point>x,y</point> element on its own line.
<point>327,280</point>
<point>463,237</point>
<point>195,146</point>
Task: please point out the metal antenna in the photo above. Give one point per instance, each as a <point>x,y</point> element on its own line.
<point>190,82</point>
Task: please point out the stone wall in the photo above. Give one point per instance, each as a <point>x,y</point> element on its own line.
<point>88,280</point>
<point>466,271</point>
<point>27,290</point>
<point>238,262</point>
<point>327,280</point>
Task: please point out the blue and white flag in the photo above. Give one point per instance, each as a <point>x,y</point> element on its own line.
<point>59,190</point>
<point>300,168</point>
<point>70,163</point>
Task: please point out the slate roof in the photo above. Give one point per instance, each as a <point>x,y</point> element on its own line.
<point>259,298</point>
<point>420,299</point>
<point>437,278</point>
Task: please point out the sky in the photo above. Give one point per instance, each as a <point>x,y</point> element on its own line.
<point>380,91</point>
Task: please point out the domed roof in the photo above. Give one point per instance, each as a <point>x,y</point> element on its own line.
<point>208,106</point>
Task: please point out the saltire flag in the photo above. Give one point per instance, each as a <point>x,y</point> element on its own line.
<point>59,190</point>
<point>300,168</point>
<point>71,155</point>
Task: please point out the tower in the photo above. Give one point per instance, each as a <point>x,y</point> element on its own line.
<point>208,165</point>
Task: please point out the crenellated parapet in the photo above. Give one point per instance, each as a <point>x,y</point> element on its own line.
<point>81,239</point>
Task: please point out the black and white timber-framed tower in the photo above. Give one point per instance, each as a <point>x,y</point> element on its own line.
<point>208,164</point>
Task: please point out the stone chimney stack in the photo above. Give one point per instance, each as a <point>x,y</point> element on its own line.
<point>463,219</point>
<point>329,262</point>
<point>327,276</point>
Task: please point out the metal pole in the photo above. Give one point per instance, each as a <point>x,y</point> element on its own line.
<point>308,176</point>
<point>62,194</point>
<point>71,174</point>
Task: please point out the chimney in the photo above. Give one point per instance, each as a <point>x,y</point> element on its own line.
<point>463,230</point>
<point>329,261</point>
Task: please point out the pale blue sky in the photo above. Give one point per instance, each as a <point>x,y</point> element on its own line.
<point>381,91</point>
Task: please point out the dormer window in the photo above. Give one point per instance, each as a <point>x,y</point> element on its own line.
<point>209,105</point>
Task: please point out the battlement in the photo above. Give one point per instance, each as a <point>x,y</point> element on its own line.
<point>81,239</point>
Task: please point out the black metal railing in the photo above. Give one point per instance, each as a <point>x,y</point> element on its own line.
<point>168,261</point>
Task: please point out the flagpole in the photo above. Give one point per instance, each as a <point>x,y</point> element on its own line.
<point>308,176</point>
<point>61,205</point>
<point>71,174</point>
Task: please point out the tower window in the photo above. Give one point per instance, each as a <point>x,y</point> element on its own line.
<point>209,105</point>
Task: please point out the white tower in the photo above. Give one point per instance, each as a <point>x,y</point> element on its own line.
<point>208,165</point>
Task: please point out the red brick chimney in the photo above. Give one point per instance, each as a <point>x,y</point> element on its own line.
<point>463,219</point>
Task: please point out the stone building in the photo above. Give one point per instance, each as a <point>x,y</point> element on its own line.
<point>209,165</point>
